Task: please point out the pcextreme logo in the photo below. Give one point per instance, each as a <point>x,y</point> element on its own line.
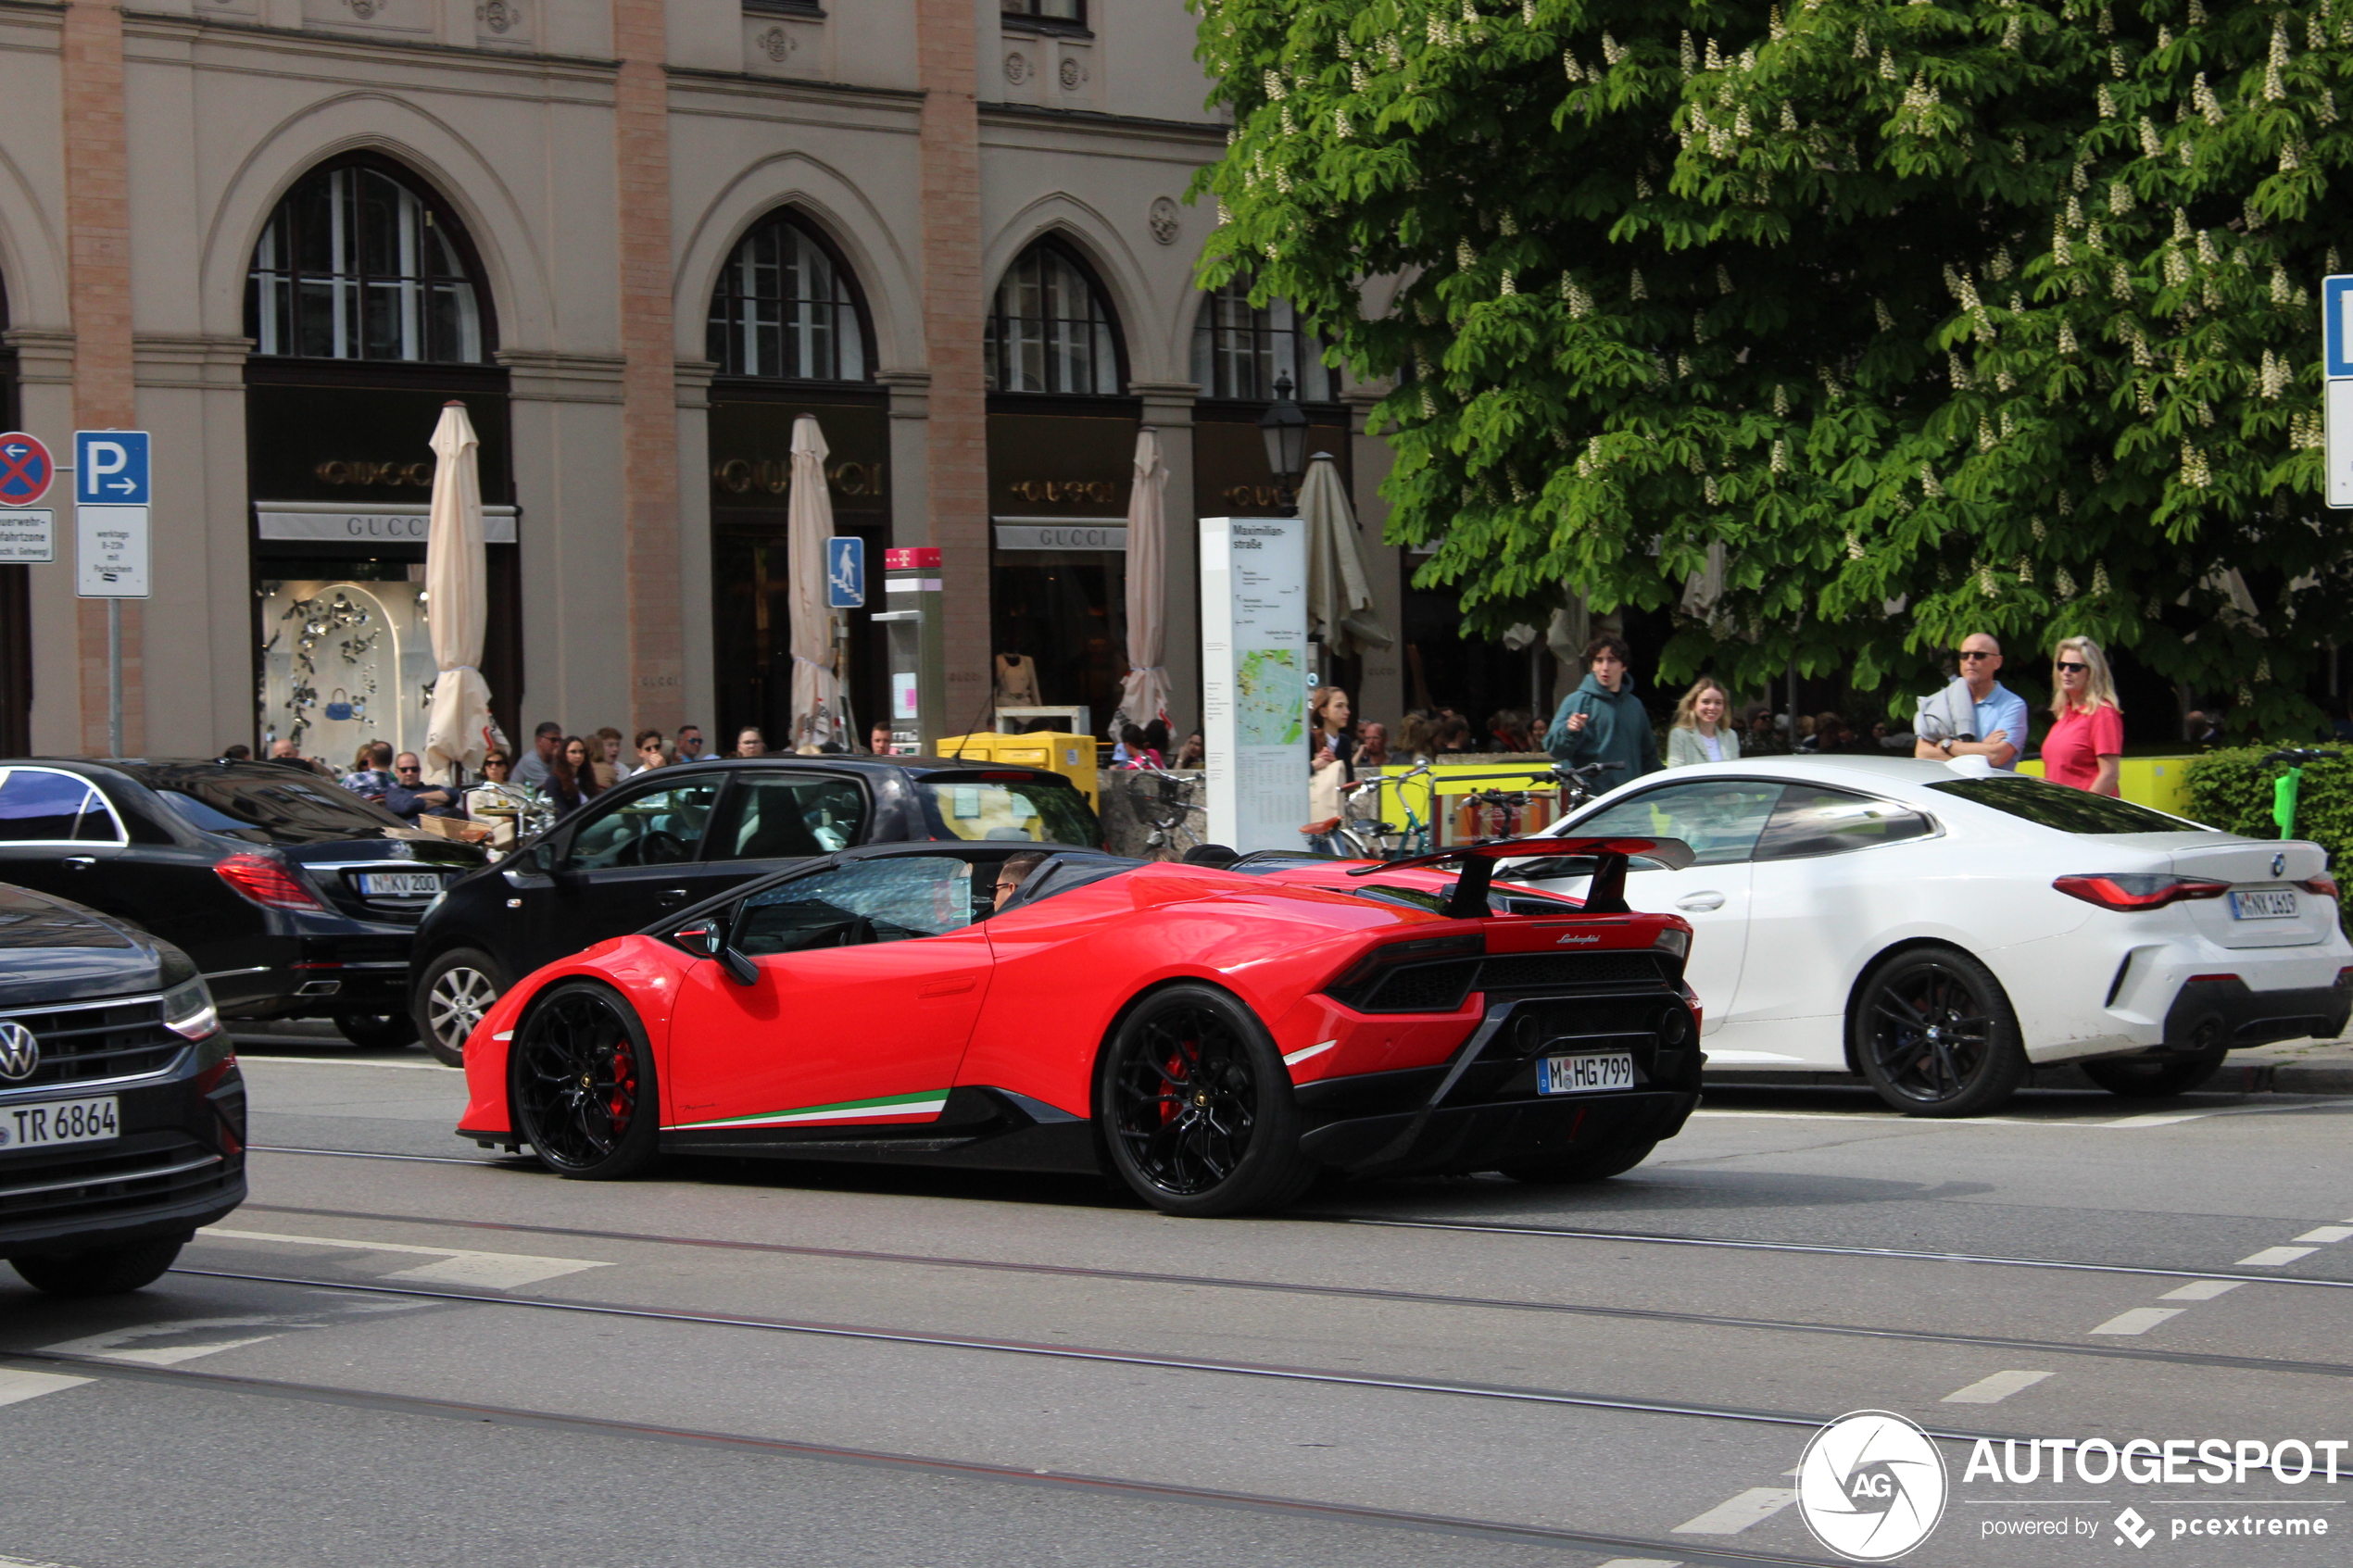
<point>1871,1486</point>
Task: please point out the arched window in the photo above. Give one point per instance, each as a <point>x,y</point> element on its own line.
<point>1051,330</point>
<point>785,308</point>
<point>357,263</point>
<point>1240,349</point>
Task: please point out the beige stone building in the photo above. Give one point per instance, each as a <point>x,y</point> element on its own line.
<point>635,237</point>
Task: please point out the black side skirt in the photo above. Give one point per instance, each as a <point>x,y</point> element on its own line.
<point>982,1129</point>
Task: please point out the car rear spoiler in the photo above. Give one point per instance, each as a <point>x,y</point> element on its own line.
<point>1604,895</point>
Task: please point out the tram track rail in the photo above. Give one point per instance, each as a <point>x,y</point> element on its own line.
<point>1371,1294</point>
<point>1684,1550</point>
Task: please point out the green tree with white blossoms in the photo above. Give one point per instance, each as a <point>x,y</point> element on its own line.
<point>1930,318</point>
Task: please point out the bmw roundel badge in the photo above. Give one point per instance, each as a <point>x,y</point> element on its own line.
<point>2279,865</point>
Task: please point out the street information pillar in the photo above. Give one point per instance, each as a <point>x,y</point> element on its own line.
<point>2336,389</point>
<point>918,664</point>
<point>1254,659</point>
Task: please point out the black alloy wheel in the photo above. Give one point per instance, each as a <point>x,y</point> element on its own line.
<point>451,995</point>
<point>378,1030</point>
<point>1197,1107</point>
<point>1935,1035</point>
<point>581,1084</point>
<point>1597,1164</point>
<point>2163,1076</point>
<point>105,1270</point>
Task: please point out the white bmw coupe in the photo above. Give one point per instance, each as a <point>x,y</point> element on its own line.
<point>1940,927</point>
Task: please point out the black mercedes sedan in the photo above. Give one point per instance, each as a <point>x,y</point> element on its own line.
<point>296,898</point>
<point>677,836</point>
<point>122,1115</point>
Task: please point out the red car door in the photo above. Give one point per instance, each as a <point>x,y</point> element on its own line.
<point>870,975</point>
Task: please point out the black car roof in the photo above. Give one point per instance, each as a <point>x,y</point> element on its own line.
<point>859,762</point>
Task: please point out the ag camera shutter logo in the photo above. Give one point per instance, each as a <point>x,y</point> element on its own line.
<point>1871,1486</point>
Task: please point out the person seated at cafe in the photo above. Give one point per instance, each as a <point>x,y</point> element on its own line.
<point>410,798</point>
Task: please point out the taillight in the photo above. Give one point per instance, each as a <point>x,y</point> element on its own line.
<point>2323,885</point>
<point>266,881</point>
<point>2138,890</point>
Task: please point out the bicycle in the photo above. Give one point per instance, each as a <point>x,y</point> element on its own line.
<point>2288,786</point>
<point>1169,813</point>
<point>1352,835</point>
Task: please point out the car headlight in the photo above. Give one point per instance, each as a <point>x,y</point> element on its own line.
<point>1675,942</point>
<point>187,1010</point>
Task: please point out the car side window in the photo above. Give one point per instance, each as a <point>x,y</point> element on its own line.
<point>40,807</point>
<point>884,900</point>
<point>1720,819</point>
<point>776,816</point>
<point>1812,820</point>
<point>661,827</point>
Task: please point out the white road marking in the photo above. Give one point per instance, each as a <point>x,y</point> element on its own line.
<point>1995,1389</point>
<point>16,1388</point>
<point>1735,1514</point>
<point>454,1265</point>
<point>2202,1291</point>
<point>1613,1562</point>
<point>26,1562</point>
<point>246,1060</point>
<point>2140,1320</point>
<point>122,1344</point>
<point>2126,1124</point>
<point>2327,1233</point>
<point>2273,1257</point>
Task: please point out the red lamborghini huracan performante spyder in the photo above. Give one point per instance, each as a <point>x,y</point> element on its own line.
<point>1217,1037</point>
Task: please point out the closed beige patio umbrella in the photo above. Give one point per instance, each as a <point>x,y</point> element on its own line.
<point>810,518</point>
<point>1339,592</point>
<point>1144,692</point>
<point>460,730</point>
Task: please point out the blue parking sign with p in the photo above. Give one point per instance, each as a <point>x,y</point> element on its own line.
<point>110,467</point>
<point>845,572</point>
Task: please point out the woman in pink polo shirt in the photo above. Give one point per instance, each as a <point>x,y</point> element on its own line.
<point>2086,744</point>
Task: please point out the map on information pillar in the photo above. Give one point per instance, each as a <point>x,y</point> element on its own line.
<point>1269,698</point>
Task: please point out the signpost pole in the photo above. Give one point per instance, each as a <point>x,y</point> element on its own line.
<point>114,677</point>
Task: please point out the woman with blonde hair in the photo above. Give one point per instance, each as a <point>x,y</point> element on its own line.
<point>1701,733</point>
<point>2085,747</point>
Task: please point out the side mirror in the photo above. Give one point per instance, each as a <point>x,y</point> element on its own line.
<point>542,858</point>
<point>710,936</point>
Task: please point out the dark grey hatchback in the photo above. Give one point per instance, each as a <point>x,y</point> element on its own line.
<point>122,1114</point>
<point>673,837</point>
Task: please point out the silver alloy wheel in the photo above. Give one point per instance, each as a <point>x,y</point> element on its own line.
<point>454,1004</point>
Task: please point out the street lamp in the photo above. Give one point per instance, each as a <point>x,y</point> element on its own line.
<point>1284,426</point>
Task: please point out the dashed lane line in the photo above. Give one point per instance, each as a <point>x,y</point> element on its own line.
<point>2326,1235</point>
<point>124,1344</point>
<point>2202,1291</point>
<point>1735,1514</point>
<point>2275,1257</point>
<point>1995,1389</point>
<point>455,1265</point>
<point>2139,1319</point>
<point>16,1386</point>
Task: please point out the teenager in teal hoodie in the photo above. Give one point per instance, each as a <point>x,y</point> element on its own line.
<point>1603,720</point>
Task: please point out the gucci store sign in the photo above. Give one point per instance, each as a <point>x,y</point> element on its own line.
<point>1059,534</point>
<point>312,523</point>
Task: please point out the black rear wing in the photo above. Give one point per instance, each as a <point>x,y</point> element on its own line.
<point>1604,895</point>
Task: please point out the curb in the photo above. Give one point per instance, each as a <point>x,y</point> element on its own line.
<point>2235,1078</point>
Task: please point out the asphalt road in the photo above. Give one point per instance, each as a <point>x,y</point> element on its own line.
<point>404,1349</point>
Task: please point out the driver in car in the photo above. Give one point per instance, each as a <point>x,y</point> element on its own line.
<point>1013,873</point>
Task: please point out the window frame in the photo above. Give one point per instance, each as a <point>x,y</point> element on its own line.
<point>1026,16</point>
<point>1582,828</point>
<point>727,816</point>
<point>605,808</point>
<point>995,343</point>
<point>1207,332</point>
<point>844,277</point>
<point>122,839</point>
<point>440,215</point>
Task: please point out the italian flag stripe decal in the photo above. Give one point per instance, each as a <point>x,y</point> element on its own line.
<point>926,1102</point>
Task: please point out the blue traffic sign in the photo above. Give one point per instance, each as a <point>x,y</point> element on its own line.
<point>845,571</point>
<point>110,467</point>
<point>2336,328</point>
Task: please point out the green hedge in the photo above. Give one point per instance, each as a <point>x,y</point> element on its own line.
<point>2232,790</point>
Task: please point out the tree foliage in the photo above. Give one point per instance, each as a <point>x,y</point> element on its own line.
<point>1928,318</point>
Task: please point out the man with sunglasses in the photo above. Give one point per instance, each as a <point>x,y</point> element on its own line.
<point>1999,725</point>
<point>410,798</point>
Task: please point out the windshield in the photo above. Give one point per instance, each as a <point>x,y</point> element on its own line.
<point>2070,810</point>
<point>981,807</point>
<point>286,805</point>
